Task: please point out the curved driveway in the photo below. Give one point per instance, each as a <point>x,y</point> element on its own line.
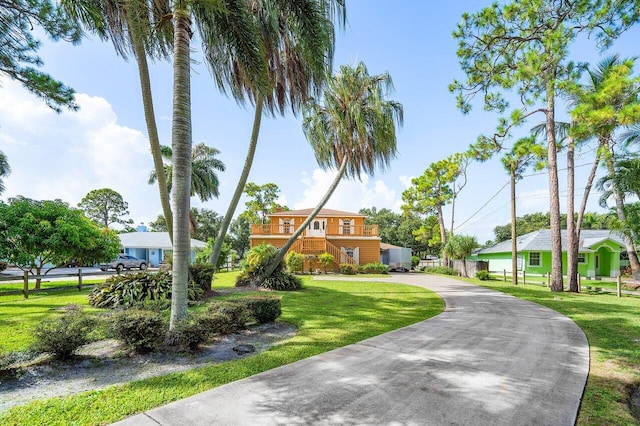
<point>488,359</point>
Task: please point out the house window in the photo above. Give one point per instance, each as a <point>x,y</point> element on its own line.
<point>582,258</point>
<point>349,252</point>
<point>316,226</point>
<point>346,226</point>
<point>286,226</point>
<point>534,259</point>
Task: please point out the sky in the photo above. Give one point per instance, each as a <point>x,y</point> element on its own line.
<point>104,144</point>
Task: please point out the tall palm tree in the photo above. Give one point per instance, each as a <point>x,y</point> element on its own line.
<point>204,179</point>
<point>625,180</point>
<point>204,164</point>
<point>608,102</point>
<point>298,49</point>
<point>5,170</point>
<point>352,129</point>
<point>138,28</point>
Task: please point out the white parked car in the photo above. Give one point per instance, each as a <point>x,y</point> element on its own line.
<point>124,261</point>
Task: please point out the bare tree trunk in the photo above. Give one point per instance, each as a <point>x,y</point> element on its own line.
<point>181,146</point>
<point>631,250</point>
<point>283,250</point>
<point>572,237</point>
<point>514,233</point>
<point>443,233</point>
<point>554,193</point>
<point>152,128</point>
<point>224,226</point>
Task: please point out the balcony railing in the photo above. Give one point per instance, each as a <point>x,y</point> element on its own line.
<point>331,230</point>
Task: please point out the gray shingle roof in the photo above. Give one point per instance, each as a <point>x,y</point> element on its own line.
<point>152,240</point>
<point>541,241</point>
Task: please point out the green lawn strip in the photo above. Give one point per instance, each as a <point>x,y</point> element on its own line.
<point>11,286</point>
<point>19,316</point>
<point>329,314</point>
<point>612,326</point>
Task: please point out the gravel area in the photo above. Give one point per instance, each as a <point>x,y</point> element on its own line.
<point>105,363</point>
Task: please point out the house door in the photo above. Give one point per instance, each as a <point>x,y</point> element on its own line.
<point>317,228</point>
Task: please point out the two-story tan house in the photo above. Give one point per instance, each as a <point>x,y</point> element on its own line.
<point>344,235</point>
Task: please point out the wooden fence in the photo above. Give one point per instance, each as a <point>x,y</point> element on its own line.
<point>26,277</point>
<point>547,282</point>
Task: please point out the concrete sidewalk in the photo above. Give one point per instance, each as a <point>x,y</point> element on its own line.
<point>489,359</point>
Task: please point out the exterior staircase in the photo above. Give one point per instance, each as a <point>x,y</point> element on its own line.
<point>315,246</point>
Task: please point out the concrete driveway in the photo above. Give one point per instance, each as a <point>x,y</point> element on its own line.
<point>489,359</point>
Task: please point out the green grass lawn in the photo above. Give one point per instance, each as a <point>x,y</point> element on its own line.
<point>328,314</point>
<point>612,326</point>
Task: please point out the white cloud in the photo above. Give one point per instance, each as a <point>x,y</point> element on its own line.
<point>533,201</point>
<point>67,155</point>
<point>349,196</point>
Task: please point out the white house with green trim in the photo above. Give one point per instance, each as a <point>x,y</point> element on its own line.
<point>598,253</point>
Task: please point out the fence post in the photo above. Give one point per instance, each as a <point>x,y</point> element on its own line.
<point>524,277</point>
<point>25,285</point>
<point>619,285</point>
<point>579,283</point>
<point>504,275</point>
<point>548,280</point>
<point>79,279</point>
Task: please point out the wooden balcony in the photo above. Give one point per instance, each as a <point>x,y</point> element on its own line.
<point>332,230</point>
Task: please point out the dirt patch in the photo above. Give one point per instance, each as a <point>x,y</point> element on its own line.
<point>634,402</point>
<point>106,363</point>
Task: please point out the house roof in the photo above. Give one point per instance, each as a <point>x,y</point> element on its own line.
<point>541,241</point>
<point>152,240</point>
<point>385,246</point>
<point>323,213</point>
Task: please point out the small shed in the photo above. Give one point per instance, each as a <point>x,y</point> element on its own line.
<point>154,247</point>
<point>396,258</point>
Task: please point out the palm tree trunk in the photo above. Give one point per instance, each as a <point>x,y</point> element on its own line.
<point>572,237</point>
<point>631,250</point>
<point>224,226</point>
<point>181,146</point>
<point>554,193</point>
<point>587,190</point>
<point>283,250</point>
<point>514,234</point>
<point>152,128</point>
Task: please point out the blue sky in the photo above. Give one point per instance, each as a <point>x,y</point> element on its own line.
<point>104,144</point>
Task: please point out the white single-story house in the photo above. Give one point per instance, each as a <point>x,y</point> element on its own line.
<point>154,247</point>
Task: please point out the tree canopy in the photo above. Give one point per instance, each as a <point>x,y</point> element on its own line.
<point>105,207</point>
<point>18,57</point>
<point>36,233</point>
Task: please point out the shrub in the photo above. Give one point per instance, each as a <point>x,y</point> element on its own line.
<point>375,268</point>
<point>64,335</point>
<point>133,289</point>
<point>295,261</point>
<point>190,333</point>
<point>139,330</point>
<point>415,261</point>
<point>264,309</point>
<point>348,269</point>
<point>282,280</point>
<point>256,263</point>
<point>236,313</point>
<point>158,306</point>
<point>3,266</point>
<point>441,270</point>
<point>326,260</point>
<point>201,274</point>
<point>483,275</point>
